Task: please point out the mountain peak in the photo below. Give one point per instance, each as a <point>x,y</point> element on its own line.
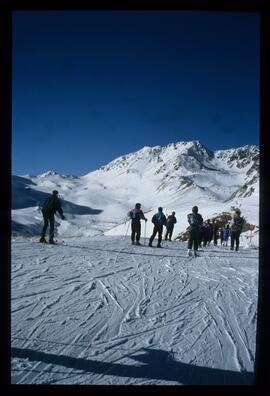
<point>49,173</point>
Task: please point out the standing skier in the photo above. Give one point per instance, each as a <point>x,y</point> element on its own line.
<point>210,225</point>
<point>205,231</point>
<point>226,234</point>
<point>136,215</point>
<point>195,220</point>
<point>221,235</point>
<point>215,232</point>
<point>51,205</point>
<point>171,221</point>
<point>236,229</point>
<point>159,220</point>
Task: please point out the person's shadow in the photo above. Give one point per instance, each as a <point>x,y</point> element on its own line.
<point>154,364</point>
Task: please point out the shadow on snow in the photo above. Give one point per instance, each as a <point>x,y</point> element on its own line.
<point>155,365</point>
<point>156,255</point>
<point>125,252</point>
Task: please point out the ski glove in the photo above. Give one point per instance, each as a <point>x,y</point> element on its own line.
<point>63,217</point>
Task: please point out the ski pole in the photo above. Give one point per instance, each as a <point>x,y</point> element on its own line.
<point>144,232</point>
<point>127,228</point>
<point>51,235</point>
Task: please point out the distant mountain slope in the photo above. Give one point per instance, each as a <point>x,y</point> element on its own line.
<point>176,177</point>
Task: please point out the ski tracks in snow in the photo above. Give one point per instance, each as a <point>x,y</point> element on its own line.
<point>107,299</point>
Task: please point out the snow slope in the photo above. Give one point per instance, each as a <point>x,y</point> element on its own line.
<point>101,311</point>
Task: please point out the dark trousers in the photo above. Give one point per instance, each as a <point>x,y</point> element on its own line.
<point>235,238</point>
<point>215,235</point>
<point>210,236</point>
<point>157,229</point>
<point>48,219</point>
<point>200,238</point>
<point>194,235</point>
<point>135,231</point>
<point>169,233</point>
<point>205,238</point>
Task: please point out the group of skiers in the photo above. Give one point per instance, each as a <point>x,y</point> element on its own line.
<point>159,220</point>
<point>212,231</point>
<point>200,232</point>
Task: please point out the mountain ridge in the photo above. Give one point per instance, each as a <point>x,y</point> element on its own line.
<point>174,176</point>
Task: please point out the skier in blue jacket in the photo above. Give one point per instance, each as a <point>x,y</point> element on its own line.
<point>226,234</point>
<point>159,220</point>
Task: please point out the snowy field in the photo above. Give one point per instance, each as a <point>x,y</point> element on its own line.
<point>100,311</point>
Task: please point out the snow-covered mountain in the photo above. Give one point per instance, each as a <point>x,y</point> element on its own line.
<point>176,177</point>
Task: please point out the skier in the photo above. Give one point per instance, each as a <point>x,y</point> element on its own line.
<point>226,234</point>
<point>215,232</point>
<point>236,229</point>
<point>205,232</point>
<point>221,235</point>
<point>171,221</point>
<point>210,225</point>
<point>51,205</point>
<point>195,220</point>
<point>159,220</point>
<point>200,238</point>
<point>136,215</point>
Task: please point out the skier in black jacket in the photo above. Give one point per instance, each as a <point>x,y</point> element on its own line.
<point>136,215</point>
<point>50,207</point>
<point>195,220</point>
<point>236,229</point>
<point>159,220</point>
<point>171,221</point>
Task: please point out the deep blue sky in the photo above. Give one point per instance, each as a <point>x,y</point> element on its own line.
<point>91,86</point>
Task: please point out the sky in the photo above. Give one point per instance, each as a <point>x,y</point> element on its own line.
<point>90,86</point>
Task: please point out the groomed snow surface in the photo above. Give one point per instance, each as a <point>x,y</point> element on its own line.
<point>99,311</point>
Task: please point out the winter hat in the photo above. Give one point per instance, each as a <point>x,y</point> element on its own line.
<point>55,192</point>
<point>195,209</point>
<point>160,209</point>
<point>173,213</point>
<point>138,205</point>
<point>238,211</point>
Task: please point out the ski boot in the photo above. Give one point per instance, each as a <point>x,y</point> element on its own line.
<point>189,253</point>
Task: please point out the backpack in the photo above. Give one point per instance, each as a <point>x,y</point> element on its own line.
<point>171,220</point>
<point>134,214</point>
<point>194,219</point>
<point>48,205</point>
<point>238,223</point>
<point>159,219</point>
